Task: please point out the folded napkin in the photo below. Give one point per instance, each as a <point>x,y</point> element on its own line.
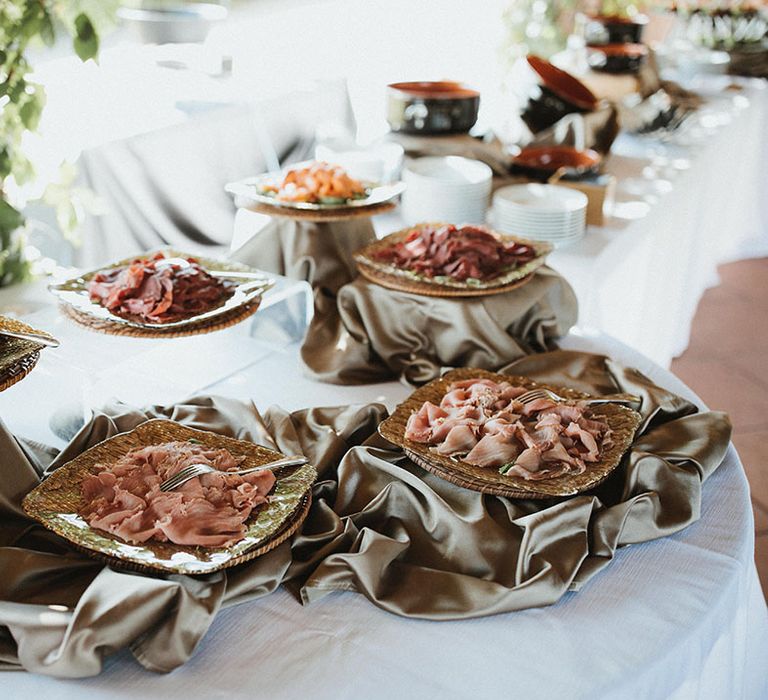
<point>412,543</point>
<point>373,334</point>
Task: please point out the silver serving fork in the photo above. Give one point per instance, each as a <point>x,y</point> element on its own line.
<point>183,264</point>
<point>193,470</point>
<point>534,394</point>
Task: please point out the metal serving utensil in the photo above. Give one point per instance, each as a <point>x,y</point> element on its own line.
<point>534,394</point>
<point>34,337</point>
<point>193,470</point>
<point>180,262</point>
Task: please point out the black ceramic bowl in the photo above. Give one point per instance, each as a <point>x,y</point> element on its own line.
<point>429,108</point>
<point>614,29</point>
<point>617,58</point>
<point>552,94</point>
<point>542,162</point>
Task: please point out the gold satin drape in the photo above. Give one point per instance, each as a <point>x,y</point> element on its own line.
<point>413,544</point>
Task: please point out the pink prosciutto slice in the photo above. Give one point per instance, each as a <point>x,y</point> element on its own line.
<point>482,420</point>
<point>493,451</point>
<point>124,498</point>
<point>460,440</point>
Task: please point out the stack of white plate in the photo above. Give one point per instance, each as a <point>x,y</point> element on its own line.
<point>451,189</point>
<point>541,212</point>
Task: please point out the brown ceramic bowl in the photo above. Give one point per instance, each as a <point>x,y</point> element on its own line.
<point>614,29</point>
<point>426,108</point>
<point>541,162</point>
<point>554,94</point>
<point>617,58</point>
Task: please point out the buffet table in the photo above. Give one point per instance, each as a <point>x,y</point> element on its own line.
<point>680,617</point>
<point>682,208</point>
<point>640,276</point>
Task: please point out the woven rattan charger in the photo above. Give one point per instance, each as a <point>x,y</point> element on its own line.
<point>319,215</point>
<point>74,303</point>
<point>210,325</point>
<point>59,495</point>
<point>413,286</point>
<point>17,357</point>
<point>622,421</point>
<point>377,273</point>
<point>289,528</point>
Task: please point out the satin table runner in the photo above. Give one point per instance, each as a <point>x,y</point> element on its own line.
<point>375,334</point>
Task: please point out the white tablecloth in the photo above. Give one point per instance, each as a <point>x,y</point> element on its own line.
<point>681,617</point>
<point>705,203</point>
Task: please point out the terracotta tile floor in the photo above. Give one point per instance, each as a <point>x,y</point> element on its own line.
<point>726,364</point>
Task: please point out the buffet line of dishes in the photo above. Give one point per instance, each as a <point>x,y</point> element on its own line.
<point>482,431</point>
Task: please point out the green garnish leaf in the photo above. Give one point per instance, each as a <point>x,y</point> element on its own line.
<point>194,441</point>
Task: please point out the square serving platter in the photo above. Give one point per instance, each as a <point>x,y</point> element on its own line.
<point>56,503</point>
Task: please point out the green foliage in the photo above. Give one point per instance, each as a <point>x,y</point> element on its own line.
<point>532,26</point>
<point>86,40</point>
<point>22,23</point>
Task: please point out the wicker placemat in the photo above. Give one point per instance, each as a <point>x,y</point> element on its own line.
<point>335,214</point>
<point>413,286</point>
<point>210,325</point>
<point>17,357</point>
<point>622,421</point>
<point>57,500</point>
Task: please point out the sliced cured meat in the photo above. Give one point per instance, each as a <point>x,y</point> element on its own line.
<point>124,498</point>
<point>158,293</point>
<point>460,440</point>
<point>481,419</point>
<point>469,252</point>
<point>420,424</point>
<point>493,451</point>
<point>538,405</point>
<point>587,439</point>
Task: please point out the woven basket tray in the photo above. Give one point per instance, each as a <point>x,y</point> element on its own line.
<point>402,281</point>
<point>193,328</point>
<point>75,303</point>
<point>17,357</point>
<point>335,214</point>
<point>429,289</point>
<point>56,502</point>
<point>13,373</point>
<point>622,421</point>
